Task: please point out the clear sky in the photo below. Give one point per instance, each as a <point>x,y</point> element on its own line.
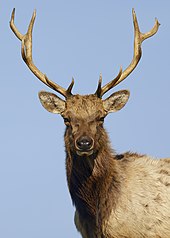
<point>80,39</point>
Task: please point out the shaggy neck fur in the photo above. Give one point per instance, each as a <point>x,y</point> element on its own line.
<point>94,182</point>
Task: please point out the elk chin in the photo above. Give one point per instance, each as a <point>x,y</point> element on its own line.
<point>84,153</point>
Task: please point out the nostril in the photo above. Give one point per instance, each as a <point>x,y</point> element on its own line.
<point>84,143</point>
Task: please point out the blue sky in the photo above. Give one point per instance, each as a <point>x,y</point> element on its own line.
<point>79,39</point>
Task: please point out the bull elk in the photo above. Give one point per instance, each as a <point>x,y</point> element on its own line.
<point>116,196</point>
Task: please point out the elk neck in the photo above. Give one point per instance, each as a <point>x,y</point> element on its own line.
<point>94,181</point>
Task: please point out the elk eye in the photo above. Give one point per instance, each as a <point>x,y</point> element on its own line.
<point>66,121</point>
<point>101,119</point>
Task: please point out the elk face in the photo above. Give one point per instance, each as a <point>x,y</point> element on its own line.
<point>84,117</point>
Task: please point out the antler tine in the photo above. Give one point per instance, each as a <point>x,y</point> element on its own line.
<point>70,87</point>
<point>102,90</point>
<point>26,51</point>
<point>138,39</point>
<point>53,85</point>
<point>99,88</point>
<point>13,27</point>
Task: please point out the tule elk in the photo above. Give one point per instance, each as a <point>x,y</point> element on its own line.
<point>116,196</point>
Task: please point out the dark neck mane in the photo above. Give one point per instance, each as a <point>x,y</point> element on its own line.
<point>93,183</point>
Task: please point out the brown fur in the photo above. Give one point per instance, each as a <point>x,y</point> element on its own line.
<point>116,196</point>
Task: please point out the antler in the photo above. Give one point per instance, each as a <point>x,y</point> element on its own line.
<point>26,51</point>
<point>138,39</point>
<point>102,90</point>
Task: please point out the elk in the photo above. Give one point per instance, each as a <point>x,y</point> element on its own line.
<point>115,195</point>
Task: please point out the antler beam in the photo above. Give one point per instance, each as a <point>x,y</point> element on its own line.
<point>26,51</point>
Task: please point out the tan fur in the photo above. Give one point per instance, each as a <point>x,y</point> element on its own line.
<point>143,208</point>
<point>143,205</point>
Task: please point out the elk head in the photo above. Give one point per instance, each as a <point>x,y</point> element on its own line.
<point>83,115</point>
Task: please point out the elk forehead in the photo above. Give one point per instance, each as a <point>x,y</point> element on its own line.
<point>84,107</point>
<point>82,115</point>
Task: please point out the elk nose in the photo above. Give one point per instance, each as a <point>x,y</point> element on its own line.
<point>84,143</point>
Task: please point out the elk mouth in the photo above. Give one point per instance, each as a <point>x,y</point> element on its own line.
<point>84,153</point>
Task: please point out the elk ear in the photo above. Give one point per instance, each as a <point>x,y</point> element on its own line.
<point>116,101</point>
<point>51,102</point>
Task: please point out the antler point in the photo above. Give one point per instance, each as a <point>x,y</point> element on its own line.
<point>12,15</point>
<point>34,12</point>
<point>157,22</point>
<point>100,77</point>
<point>133,12</point>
